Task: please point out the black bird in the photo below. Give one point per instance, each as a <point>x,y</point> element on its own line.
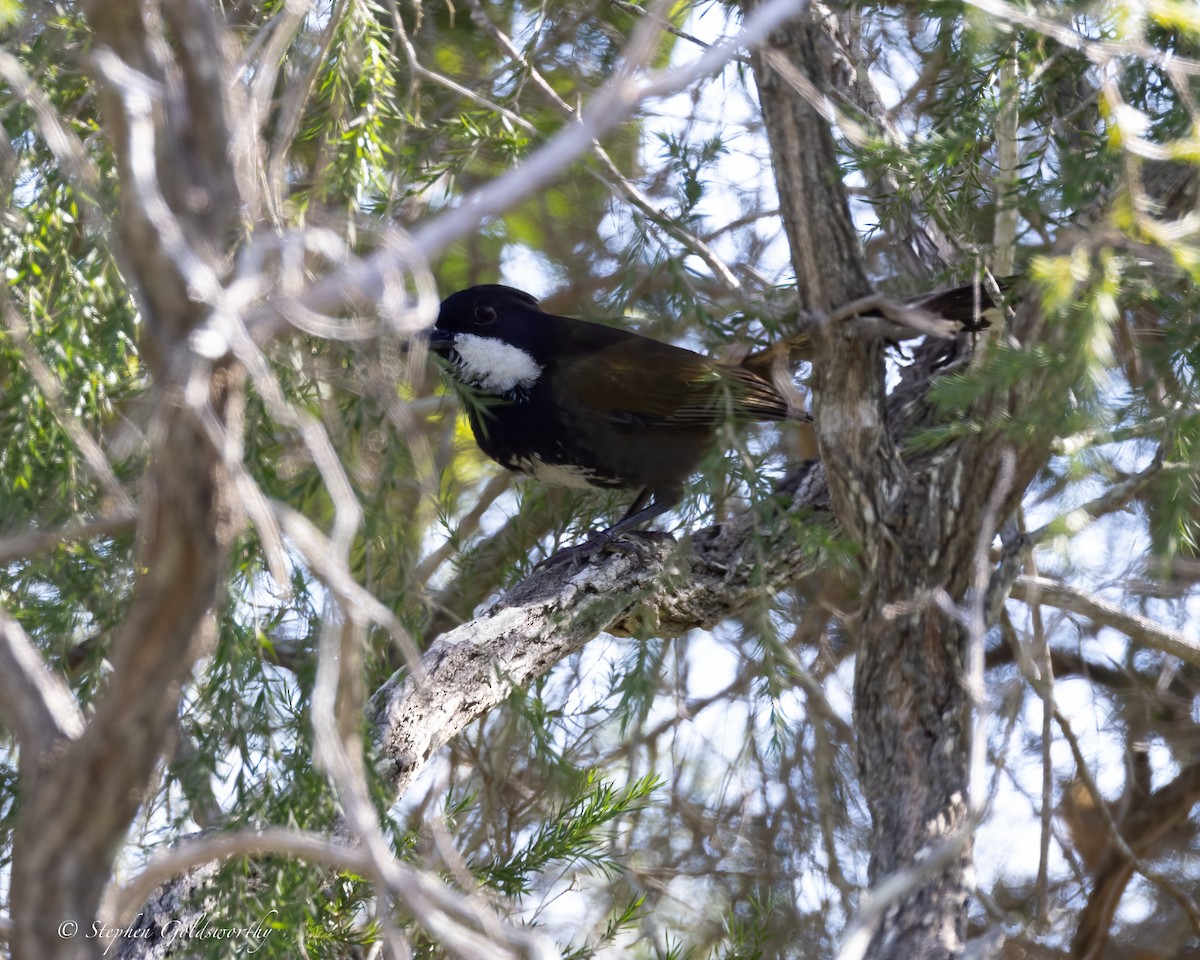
<point>586,405</point>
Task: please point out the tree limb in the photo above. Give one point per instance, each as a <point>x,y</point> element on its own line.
<point>1141,629</point>
<point>464,926</point>
<point>77,804</point>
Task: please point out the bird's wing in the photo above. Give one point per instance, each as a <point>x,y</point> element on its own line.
<point>638,379</point>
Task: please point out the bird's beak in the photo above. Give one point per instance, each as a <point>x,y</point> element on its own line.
<point>440,341</point>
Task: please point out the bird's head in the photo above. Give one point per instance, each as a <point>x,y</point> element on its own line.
<point>494,338</point>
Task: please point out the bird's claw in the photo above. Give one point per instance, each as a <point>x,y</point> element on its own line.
<point>631,542</point>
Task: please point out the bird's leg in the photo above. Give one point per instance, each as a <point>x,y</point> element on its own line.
<point>638,513</point>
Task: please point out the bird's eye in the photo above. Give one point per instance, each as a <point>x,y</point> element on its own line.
<point>485,316</point>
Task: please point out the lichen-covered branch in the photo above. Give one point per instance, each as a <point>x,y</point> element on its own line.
<point>554,612</point>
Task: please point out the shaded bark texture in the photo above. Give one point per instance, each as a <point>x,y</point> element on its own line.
<point>917,520</point>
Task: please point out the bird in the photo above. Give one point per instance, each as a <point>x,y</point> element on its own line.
<point>582,404</point>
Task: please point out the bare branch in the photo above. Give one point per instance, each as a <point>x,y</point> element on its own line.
<point>552,614</point>
<point>1141,629</point>
<point>448,915</point>
<point>36,705</point>
<point>1117,497</point>
<point>32,543</point>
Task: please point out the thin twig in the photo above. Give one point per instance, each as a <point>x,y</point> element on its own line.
<point>360,283</point>
<point>33,542</point>
<point>669,27</point>
<point>291,111</point>
<point>614,177</point>
<point>1138,628</point>
<point>1117,497</point>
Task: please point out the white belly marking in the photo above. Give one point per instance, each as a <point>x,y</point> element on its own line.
<point>559,474</point>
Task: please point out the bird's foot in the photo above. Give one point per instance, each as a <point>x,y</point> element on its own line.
<point>630,542</point>
<point>637,541</point>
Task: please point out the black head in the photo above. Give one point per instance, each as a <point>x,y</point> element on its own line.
<point>495,338</point>
<point>477,309</point>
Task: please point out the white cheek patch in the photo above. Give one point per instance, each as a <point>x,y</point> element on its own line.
<point>492,365</point>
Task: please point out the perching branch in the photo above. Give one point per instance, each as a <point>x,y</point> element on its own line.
<point>552,614</point>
